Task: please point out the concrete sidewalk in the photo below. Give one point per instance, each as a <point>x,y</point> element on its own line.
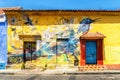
<point>57,71</point>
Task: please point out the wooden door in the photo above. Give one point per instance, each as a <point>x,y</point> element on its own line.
<point>91,52</point>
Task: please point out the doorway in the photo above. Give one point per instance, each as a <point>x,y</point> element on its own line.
<point>62,51</point>
<point>91,52</point>
<point>91,48</point>
<point>29,49</point>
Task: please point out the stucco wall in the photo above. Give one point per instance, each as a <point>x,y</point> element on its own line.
<point>111,42</point>
<point>64,24</point>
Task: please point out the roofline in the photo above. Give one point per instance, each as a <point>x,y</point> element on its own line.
<point>61,10</point>
<point>11,8</point>
<point>1,12</point>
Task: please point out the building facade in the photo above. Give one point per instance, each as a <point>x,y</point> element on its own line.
<point>50,38</point>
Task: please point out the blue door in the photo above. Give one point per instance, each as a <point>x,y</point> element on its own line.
<point>91,51</point>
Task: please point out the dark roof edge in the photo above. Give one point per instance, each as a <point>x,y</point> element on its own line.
<point>66,10</point>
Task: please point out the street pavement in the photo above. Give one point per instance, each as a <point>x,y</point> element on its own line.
<point>62,77</point>
<point>59,73</point>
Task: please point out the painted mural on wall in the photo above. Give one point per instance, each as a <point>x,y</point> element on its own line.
<point>59,44</point>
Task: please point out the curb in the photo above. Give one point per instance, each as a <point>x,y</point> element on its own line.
<point>89,73</point>
<point>57,73</point>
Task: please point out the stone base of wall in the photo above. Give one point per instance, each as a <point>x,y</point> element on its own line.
<point>99,67</point>
<point>92,68</point>
<point>113,66</point>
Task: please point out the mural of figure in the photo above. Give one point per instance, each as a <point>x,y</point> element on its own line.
<point>85,25</point>
<point>73,45</point>
<point>28,21</point>
<point>65,50</point>
<point>45,48</point>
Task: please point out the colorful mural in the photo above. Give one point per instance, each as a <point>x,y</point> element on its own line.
<point>51,38</point>
<point>59,44</point>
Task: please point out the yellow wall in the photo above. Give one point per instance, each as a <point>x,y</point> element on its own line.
<point>108,24</point>
<point>111,42</point>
